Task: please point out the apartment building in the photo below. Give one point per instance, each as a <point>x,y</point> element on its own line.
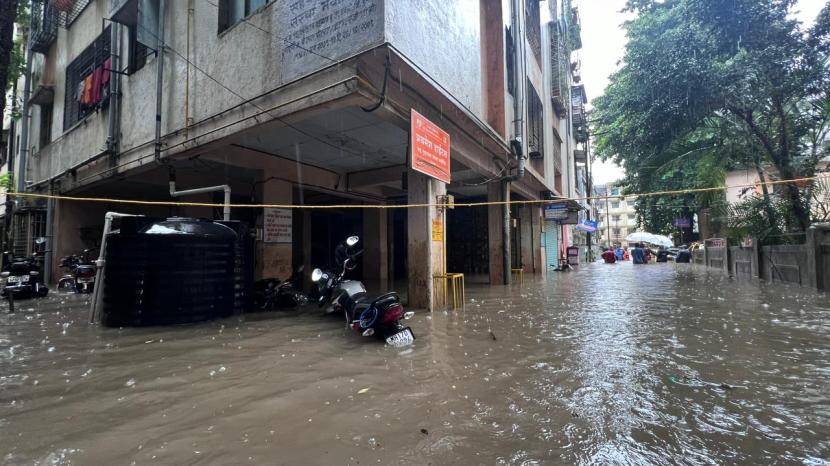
<point>311,102</point>
<point>618,219</point>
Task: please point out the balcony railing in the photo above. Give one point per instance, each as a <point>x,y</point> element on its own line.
<point>44,26</point>
<point>578,110</point>
<point>580,156</point>
<point>575,30</point>
<point>559,69</point>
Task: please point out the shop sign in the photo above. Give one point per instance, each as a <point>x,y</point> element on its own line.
<point>277,225</point>
<point>682,222</point>
<point>556,212</point>
<point>437,230</point>
<point>430,148</point>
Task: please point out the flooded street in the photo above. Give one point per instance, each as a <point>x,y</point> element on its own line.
<point>607,365</point>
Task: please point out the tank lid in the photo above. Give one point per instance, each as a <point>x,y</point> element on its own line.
<point>189,226</point>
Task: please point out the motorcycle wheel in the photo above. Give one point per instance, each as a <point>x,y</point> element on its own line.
<point>368,317</point>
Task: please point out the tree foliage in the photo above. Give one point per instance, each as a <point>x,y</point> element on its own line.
<point>710,85</point>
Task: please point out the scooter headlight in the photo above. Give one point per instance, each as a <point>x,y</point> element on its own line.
<point>316,275</point>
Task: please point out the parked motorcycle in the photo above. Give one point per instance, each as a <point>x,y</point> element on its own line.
<point>271,293</point>
<point>21,275</point>
<point>80,273</point>
<point>371,316</point>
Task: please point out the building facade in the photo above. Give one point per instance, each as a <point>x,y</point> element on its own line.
<point>618,219</point>
<point>309,103</point>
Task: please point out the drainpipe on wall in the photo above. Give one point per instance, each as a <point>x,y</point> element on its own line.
<point>50,243</point>
<point>23,147</point>
<point>159,77</point>
<point>516,143</point>
<point>113,128</point>
<point>516,148</point>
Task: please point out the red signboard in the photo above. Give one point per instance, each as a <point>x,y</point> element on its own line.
<point>430,148</point>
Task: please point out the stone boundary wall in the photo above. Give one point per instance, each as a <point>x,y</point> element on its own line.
<point>806,264</point>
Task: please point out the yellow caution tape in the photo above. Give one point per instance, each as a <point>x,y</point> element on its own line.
<point>399,206</point>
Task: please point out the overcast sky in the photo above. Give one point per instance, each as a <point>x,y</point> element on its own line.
<point>603,43</point>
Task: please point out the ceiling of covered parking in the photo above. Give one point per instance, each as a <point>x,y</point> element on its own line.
<point>342,140</point>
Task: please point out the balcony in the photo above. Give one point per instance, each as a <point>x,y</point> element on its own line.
<point>559,70</point>
<point>580,156</point>
<point>580,121</point>
<point>575,30</point>
<point>44,26</point>
<point>581,134</point>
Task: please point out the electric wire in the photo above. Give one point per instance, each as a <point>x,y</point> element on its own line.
<point>400,206</point>
<point>243,98</point>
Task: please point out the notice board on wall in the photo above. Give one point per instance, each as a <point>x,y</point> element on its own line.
<point>276,225</point>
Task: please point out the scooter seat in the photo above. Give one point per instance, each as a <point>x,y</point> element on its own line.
<point>386,299</point>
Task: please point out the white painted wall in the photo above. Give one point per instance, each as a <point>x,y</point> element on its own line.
<point>444,39</point>
<point>250,59</point>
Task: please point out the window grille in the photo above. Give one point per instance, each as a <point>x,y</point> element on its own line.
<point>78,70</point>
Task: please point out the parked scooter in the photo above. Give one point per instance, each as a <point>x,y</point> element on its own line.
<point>271,293</point>
<point>21,275</point>
<point>371,316</point>
<point>80,273</point>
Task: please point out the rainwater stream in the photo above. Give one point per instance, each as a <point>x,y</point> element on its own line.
<point>611,364</point>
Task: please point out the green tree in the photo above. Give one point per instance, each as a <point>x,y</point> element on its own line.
<point>11,51</point>
<point>708,85</point>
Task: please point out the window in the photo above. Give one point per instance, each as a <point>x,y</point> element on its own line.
<point>85,91</point>
<point>616,232</point>
<point>535,123</point>
<point>533,28</point>
<point>138,52</point>
<point>615,205</point>
<point>510,61</point>
<point>615,218</point>
<point>45,126</point>
<point>234,11</point>
<point>615,191</point>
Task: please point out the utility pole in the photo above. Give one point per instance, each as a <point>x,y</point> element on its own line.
<point>590,189</point>
<point>608,215</point>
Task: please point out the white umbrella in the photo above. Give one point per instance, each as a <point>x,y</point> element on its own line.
<point>661,240</point>
<point>644,237</point>
<point>640,237</point>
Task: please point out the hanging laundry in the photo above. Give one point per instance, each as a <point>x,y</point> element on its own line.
<point>80,95</point>
<point>105,79</point>
<point>87,96</point>
<point>96,86</point>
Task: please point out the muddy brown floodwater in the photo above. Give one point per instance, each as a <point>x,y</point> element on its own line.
<point>612,364</point>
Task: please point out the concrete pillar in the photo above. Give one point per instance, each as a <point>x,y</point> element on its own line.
<point>813,259</point>
<point>274,259</point>
<point>538,227</point>
<point>425,253</point>
<point>375,248</point>
<point>526,237</point>
<point>495,234</point>
<point>306,242</point>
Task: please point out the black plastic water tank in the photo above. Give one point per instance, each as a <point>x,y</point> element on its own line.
<point>170,271</point>
<point>243,265</point>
